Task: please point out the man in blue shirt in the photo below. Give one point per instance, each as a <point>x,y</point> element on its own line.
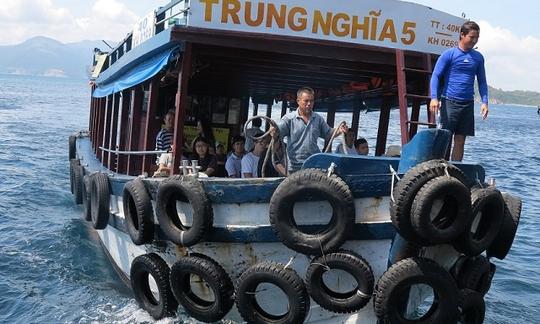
<point>458,67</point>
<point>302,128</point>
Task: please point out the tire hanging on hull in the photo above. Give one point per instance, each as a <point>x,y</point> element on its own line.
<point>472,307</point>
<point>407,188</point>
<point>191,191</point>
<point>142,268</point>
<point>214,278</point>
<point>334,301</point>
<point>284,278</point>
<point>86,200</point>
<point>441,210</point>
<point>392,292</point>
<point>138,212</point>
<point>503,242</point>
<point>485,222</point>
<point>317,184</point>
<point>100,200</point>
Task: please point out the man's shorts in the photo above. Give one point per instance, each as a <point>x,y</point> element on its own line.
<point>458,116</point>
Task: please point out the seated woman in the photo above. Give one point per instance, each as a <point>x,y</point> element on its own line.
<point>206,161</point>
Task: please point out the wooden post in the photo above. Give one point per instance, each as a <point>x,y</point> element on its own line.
<point>124,131</point>
<point>99,142</point>
<point>384,119</point>
<point>331,115</point>
<point>415,115</point>
<point>107,130</point>
<point>355,123</point>
<point>152,126</point>
<point>402,95</point>
<point>112,159</point>
<point>180,105</point>
<point>269,113</point>
<point>283,108</point>
<point>133,164</point>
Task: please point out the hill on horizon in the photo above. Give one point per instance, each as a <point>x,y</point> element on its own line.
<point>44,56</point>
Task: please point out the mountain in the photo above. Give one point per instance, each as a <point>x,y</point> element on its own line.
<point>46,56</point>
<point>519,97</point>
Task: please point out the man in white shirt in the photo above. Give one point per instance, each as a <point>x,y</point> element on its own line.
<point>250,161</point>
<point>233,165</point>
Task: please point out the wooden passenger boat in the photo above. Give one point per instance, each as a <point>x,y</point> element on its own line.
<point>348,238</point>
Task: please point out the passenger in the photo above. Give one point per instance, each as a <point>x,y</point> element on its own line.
<point>164,142</point>
<point>361,146</point>
<point>349,140</point>
<point>393,151</point>
<point>233,166</point>
<point>204,130</point>
<point>250,132</point>
<point>221,157</point>
<point>302,128</point>
<point>250,161</point>
<point>458,67</point>
<point>164,137</point>
<point>206,161</point>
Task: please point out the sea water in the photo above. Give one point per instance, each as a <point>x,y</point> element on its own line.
<point>53,270</point>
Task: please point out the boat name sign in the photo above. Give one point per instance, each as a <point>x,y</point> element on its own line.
<point>393,24</point>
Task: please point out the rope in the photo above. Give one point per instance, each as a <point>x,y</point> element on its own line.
<point>446,171</point>
<point>394,176</point>
<point>290,261</point>
<point>271,150</point>
<point>334,134</point>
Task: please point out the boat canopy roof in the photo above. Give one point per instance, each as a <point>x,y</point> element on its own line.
<point>267,49</point>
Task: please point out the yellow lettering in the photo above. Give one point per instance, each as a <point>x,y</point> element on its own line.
<point>323,23</point>
<point>408,29</point>
<point>388,31</point>
<point>208,8</point>
<point>356,25</point>
<point>278,17</point>
<point>373,29</point>
<point>300,23</point>
<point>345,28</point>
<point>248,14</point>
<point>230,8</point>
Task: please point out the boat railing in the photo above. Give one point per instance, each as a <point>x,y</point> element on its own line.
<point>142,153</point>
<point>174,13</point>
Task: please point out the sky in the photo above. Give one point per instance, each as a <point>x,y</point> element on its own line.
<point>509,35</point>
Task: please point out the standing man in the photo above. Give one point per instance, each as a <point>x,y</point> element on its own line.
<point>458,67</point>
<point>302,128</point>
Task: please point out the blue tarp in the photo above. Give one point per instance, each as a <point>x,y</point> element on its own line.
<point>136,75</point>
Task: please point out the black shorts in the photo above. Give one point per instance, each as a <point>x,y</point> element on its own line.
<point>458,116</point>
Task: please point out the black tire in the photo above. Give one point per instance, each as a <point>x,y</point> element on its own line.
<point>472,308</point>
<point>86,200</point>
<point>340,302</point>
<point>486,218</point>
<point>138,212</point>
<point>314,183</point>
<point>187,189</point>
<point>407,188</point>
<point>505,238</point>
<point>78,175</point>
<point>142,267</point>
<point>392,292</point>
<point>284,278</point>
<point>72,164</point>
<point>215,279</point>
<point>475,274</point>
<point>451,218</point>
<point>100,200</point>
<point>72,149</point>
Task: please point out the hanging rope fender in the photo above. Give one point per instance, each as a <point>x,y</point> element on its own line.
<point>273,148</point>
<point>334,135</point>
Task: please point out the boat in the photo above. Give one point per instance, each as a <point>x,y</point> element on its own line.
<point>347,238</point>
